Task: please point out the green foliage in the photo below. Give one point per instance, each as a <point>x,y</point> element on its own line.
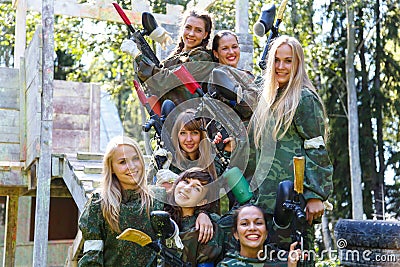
<point>88,51</point>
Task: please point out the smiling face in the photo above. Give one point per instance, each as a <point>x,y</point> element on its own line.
<point>189,141</point>
<point>194,31</point>
<point>251,231</point>
<point>228,51</point>
<point>126,165</point>
<point>190,193</point>
<point>283,64</point>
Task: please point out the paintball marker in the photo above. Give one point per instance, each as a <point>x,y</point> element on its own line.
<point>149,24</point>
<point>165,228</point>
<point>265,24</point>
<point>290,204</point>
<point>155,121</point>
<point>209,109</point>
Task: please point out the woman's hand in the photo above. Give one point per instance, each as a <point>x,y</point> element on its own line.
<point>229,142</point>
<point>314,209</point>
<point>205,227</point>
<point>294,255</point>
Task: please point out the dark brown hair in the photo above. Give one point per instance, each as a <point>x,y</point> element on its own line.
<point>236,215</point>
<point>217,38</point>
<point>206,17</point>
<point>205,178</point>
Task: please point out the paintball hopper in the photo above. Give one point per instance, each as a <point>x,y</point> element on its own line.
<point>239,185</point>
<point>265,23</point>
<point>149,23</point>
<point>222,85</point>
<point>166,108</point>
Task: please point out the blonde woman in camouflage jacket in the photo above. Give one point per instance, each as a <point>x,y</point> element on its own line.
<point>290,114</point>
<point>124,201</point>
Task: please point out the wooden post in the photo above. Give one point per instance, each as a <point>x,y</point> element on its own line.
<point>242,16</point>
<point>20,31</point>
<point>46,130</point>
<point>10,237</point>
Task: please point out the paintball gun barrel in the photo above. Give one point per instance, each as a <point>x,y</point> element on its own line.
<point>137,36</point>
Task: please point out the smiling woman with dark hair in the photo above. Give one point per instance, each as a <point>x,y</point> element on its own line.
<point>250,229</point>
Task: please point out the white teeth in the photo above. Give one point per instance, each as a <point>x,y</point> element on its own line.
<point>253,236</point>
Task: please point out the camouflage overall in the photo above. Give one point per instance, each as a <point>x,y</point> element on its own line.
<point>302,138</point>
<point>105,249</point>
<point>164,84</point>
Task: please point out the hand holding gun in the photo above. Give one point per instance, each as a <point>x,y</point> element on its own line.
<point>137,37</point>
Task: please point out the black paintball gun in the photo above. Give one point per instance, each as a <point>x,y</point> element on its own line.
<point>149,24</point>
<point>226,120</point>
<point>289,209</point>
<point>155,121</point>
<point>165,229</point>
<point>265,23</point>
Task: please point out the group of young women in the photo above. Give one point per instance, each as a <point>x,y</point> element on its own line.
<point>288,111</point>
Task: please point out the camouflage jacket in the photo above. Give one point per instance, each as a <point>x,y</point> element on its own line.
<point>101,247</point>
<point>235,259</point>
<point>248,88</point>
<point>164,84</point>
<point>304,137</point>
<point>195,252</point>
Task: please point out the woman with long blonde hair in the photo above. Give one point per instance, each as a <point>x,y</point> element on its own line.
<point>123,201</point>
<point>291,114</point>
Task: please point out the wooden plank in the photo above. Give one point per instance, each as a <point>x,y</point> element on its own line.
<point>90,156</point>
<point>74,250</point>
<point>88,10</point>
<point>71,105</point>
<point>71,122</point>
<point>22,111</point>
<point>71,89</point>
<point>9,152</point>
<point>9,98</point>
<point>11,231</point>
<point>33,117</point>
<point>33,58</point>
<point>74,186</point>
<point>12,191</point>
<point>94,133</point>
<point>13,177</point>
<point>41,232</point>
<point>9,134</point>
<point>8,78</point>
<point>9,118</point>
<point>70,141</point>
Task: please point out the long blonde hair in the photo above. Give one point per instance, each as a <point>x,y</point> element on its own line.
<point>279,111</point>
<point>188,121</point>
<point>111,191</point>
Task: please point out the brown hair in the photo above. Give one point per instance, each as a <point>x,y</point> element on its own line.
<point>206,17</point>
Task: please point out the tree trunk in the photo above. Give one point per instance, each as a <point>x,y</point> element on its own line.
<point>378,185</point>
<point>326,234</point>
<point>367,140</point>
<point>355,168</point>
